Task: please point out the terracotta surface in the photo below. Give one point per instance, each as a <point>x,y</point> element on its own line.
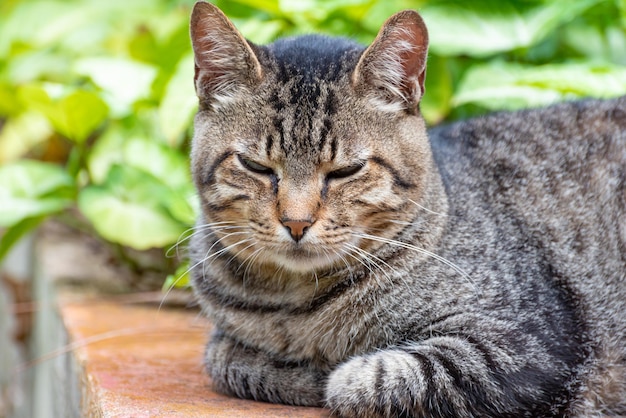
<point>142,361</point>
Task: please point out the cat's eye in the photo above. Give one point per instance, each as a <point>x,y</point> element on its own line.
<point>254,166</point>
<point>345,171</point>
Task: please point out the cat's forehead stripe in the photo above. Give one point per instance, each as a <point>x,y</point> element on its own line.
<point>269,142</point>
<point>303,119</point>
<point>307,70</point>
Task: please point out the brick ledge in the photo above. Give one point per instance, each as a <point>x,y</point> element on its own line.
<point>137,360</point>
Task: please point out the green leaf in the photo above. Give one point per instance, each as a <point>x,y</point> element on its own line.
<point>123,81</point>
<point>179,103</point>
<point>9,105</point>
<point>30,189</point>
<point>436,103</point>
<point>77,25</point>
<point>163,40</point>
<point>262,31</point>
<point>75,115</point>
<point>80,114</point>
<point>512,86</point>
<point>118,146</point>
<point>131,209</point>
<point>268,6</point>
<point>21,134</point>
<point>601,43</point>
<point>317,8</point>
<point>167,164</point>
<point>381,10</point>
<point>14,233</point>
<point>36,65</point>
<point>621,5</point>
<point>486,27</point>
<point>171,168</point>
<point>179,280</point>
<point>107,151</point>
<point>28,21</point>
<point>185,207</point>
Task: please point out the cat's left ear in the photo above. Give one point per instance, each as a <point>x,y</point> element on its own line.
<point>392,69</point>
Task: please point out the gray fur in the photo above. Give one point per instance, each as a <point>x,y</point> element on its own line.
<point>478,270</point>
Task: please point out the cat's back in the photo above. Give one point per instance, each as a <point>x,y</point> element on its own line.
<point>559,175</point>
<point>572,139</point>
<point>561,169</point>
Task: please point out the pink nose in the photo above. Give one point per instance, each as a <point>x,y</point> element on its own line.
<point>297,228</point>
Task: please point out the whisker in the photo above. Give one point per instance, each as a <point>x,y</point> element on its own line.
<point>426,209</point>
<point>442,260</point>
<point>407,223</point>
<point>281,271</point>
<point>380,264</point>
<point>227,248</point>
<point>197,229</point>
<point>220,252</point>
<point>317,283</point>
<point>371,258</point>
<point>250,261</point>
<point>342,258</point>
<point>360,260</point>
<point>328,252</point>
<point>218,242</point>
<point>206,258</point>
<point>247,258</point>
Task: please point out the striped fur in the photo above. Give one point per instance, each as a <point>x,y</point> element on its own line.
<point>478,270</point>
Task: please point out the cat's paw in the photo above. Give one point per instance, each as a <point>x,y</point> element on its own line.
<point>382,384</point>
<point>245,372</point>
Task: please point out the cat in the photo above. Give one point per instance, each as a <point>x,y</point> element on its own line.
<point>352,259</point>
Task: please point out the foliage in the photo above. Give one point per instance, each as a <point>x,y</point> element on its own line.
<point>96,98</point>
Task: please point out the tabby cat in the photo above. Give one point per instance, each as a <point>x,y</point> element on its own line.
<point>350,259</point>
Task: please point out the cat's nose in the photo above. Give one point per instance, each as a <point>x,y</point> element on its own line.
<point>297,228</point>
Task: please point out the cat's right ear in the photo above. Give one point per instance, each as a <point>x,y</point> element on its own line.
<point>226,65</point>
<point>392,70</point>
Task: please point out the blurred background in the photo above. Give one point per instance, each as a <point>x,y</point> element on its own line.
<point>96,106</point>
<point>97,99</point>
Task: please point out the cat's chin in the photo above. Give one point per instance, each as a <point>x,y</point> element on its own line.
<point>300,262</point>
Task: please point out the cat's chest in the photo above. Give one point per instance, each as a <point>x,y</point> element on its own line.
<point>375,311</point>
<point>351,323</point>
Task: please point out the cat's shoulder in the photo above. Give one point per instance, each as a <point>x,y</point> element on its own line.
<point>587,117</point>
<point>571,140</point>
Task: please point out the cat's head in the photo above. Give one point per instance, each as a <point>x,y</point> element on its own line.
<point>306,146</point>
